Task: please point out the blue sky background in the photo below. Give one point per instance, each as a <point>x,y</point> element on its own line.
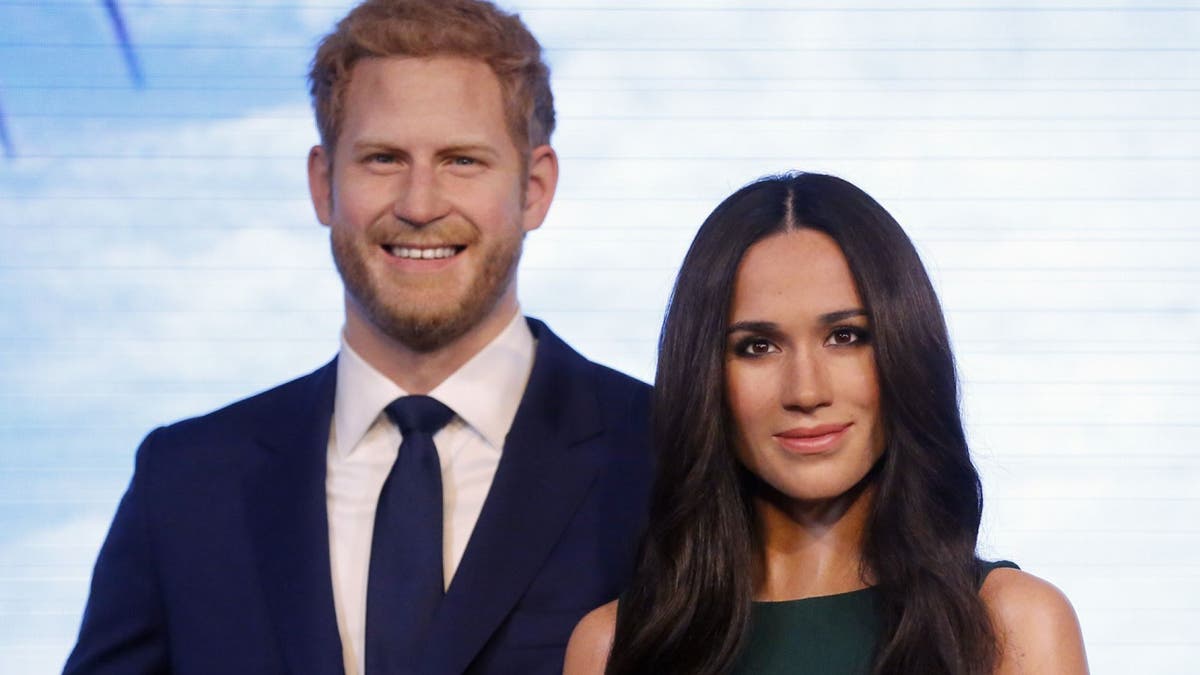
<point>160,255</point>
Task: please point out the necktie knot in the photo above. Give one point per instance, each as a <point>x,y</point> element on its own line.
<point>419,414</point>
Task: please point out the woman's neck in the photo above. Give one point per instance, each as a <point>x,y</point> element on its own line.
<point>809,549</point>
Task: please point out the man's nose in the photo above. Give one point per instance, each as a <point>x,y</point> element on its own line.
<point>421,199</point>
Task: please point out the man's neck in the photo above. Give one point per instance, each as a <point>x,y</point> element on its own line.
<point>419,372</point>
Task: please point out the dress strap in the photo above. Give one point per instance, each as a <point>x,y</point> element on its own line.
<point>985,567</point>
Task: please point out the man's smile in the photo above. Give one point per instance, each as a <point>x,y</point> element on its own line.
<point>423,252</point>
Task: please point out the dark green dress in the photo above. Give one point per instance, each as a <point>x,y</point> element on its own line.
<point>826,635</point>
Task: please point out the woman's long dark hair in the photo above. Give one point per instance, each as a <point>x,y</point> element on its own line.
<point>688,607</point>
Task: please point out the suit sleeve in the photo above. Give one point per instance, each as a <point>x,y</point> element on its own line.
<point>124,628</point>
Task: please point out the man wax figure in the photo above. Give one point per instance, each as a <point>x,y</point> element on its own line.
<point>284,533</point>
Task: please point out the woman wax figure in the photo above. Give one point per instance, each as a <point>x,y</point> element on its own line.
<point>816,509</point>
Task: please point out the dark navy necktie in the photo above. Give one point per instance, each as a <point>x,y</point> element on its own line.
<point>404,583</point>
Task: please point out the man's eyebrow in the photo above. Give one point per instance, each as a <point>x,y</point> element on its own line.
<point>456,148</point>
<point>842,315</point>
<point>371,143</point>
<point>468,148</point>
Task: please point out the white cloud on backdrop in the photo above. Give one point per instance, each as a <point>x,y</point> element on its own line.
<point>130,275</point>
<point>47,599</point>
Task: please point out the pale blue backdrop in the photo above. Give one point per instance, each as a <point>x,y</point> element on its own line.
<point>160,257</point>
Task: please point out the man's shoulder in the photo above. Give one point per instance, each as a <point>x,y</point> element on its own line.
<point>289,403</point>
<point>604,380</point>
<point>612,380</point>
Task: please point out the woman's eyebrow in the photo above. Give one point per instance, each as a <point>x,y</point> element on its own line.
<point>772,327</point>
<point>752,327</point>
<point>842,315</point>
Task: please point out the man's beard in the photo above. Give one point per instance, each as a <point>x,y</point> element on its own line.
<point>425,320</point>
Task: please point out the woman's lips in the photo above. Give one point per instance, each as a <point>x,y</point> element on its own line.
<point>812,440</point>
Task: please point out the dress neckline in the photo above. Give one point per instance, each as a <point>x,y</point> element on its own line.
<point>867,590</point>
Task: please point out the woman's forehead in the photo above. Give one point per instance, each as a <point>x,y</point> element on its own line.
<point>797,271</point>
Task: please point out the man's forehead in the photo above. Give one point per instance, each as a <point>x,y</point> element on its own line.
<point>441,85</point>
<point>440,101</point>
<point>371,69</point>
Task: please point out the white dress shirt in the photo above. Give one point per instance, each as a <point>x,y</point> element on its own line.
<point>484,395</point>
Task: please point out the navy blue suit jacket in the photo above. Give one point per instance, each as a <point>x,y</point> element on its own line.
<point>218,557</point>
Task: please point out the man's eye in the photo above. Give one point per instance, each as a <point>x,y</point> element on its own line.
<point>381,158</point>
<point>464,161</point>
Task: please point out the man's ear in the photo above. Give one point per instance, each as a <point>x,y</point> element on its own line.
<point>540,186</point>
<point>320,182</point>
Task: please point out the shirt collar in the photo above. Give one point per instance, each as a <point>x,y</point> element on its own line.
<point>484,392</point>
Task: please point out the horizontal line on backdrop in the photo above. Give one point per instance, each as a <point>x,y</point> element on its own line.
<point>943,274</point>
<point>543,268</point>
<point>644,7</point>
<point>73,501</point>
<point>566,232</point>
<point>919,236</point>
<point>696,158</point>
<point>1080,530</point>
<point>645,118</point>
<point>867,9</point>
<point>1011,355</point>
<point>89,343</point>
<point>984,455</point>
<point>561,198</point>
<point>776,49</point>
<point>846,90</point>
<point>1094,644</point>
<point>619,86</point>
<point>1006,498</point>
<point>23,613</point>
<point>295,78</point>
<point>116,468</point>
<point>1082,424</point>
<point>1018,353</point>
<point>672,9</point>
<point>1189,386</point>
<point>1082,382</point>
<point>1126,565</point>
<point>1085,424</point>
<point>814,78</point>
<point>566,228</point>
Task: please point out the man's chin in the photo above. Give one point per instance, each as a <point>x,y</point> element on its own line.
<point>427,333</point>
<point>428,318</point>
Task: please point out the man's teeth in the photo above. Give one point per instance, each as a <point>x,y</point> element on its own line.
<point>422,253</point>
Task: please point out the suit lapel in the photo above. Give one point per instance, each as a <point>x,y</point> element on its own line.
<point>538,485</point>
<point>289,529</point>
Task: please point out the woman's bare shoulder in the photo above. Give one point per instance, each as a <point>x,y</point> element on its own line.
<point>1035,624</point>
<point>587,652</point>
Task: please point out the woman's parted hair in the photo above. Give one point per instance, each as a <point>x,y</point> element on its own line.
<point>688,608</point>
<point>473,29</point>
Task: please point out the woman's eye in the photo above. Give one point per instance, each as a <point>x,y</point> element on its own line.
<point>757,347</point>
<point>845,336</point>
